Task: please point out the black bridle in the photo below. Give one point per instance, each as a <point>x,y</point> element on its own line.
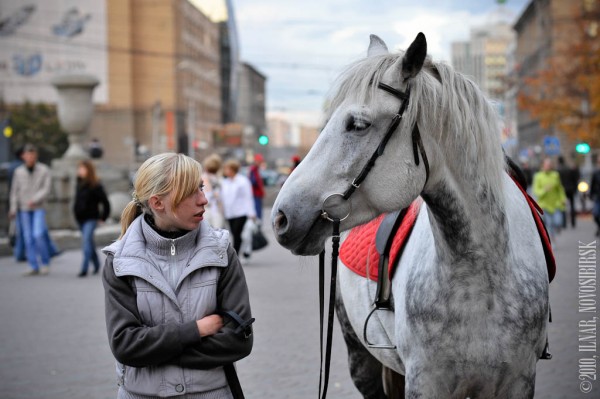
<point>417,149</point>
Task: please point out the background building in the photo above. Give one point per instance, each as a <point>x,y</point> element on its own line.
<point>251,106</point>
<point>484,58</point>
<point>558,35</point>
<point>165,83</point>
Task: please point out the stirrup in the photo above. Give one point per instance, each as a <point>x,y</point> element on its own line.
<point>369,344</point>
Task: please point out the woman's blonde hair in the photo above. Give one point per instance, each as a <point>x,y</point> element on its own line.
<point>160,175</point>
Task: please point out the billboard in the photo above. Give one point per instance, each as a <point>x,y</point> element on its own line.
<point>40,39</point>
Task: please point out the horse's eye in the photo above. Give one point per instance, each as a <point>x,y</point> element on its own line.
<point>357,124</point>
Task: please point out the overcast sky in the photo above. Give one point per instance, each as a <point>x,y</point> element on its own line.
<point>301,46</point>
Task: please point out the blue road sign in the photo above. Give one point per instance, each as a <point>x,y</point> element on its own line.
<point>551,145</point>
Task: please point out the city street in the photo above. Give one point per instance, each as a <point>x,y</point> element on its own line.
<point>54,343</point>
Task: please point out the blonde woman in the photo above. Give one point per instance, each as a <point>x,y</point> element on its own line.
<point>177,307</point>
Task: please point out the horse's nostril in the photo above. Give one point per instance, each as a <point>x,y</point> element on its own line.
<point>280,223</point>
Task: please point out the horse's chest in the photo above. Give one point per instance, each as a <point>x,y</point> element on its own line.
<point>467,316</point>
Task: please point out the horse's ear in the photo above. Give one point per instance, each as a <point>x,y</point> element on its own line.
<point>376,46</point>
<point>414,57</point>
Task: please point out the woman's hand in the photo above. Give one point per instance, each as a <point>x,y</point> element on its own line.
<point>209,325</point>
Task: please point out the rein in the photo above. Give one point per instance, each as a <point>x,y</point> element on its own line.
<point>417,149</point>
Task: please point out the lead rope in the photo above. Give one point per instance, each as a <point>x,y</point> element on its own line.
<point>324,376</point>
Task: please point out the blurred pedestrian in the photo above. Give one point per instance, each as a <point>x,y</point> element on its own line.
<point>238,202</point>
<point>595,195</point>
<point>212,190</point>
<point>550,196</point>
<point>176,300</point>
<point>295,162</point>
<point>258,185</point>
<point>28,194</point>
<point>95,149</point>
<point>90,198</point>
<point>16,239</point>
<point>569,178</point>
<point>528,173</point>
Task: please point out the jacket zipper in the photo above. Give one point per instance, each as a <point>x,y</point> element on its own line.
<point>173,252</point>
<point>172,269</point>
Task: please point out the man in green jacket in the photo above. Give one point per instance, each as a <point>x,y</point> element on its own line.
<point>550,195</point>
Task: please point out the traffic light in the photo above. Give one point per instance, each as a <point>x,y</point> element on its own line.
<point>582,148</point>
<point>8,131</point>
<point>263,139</point>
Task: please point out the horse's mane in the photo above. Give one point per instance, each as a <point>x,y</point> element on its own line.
<point>464,120</point>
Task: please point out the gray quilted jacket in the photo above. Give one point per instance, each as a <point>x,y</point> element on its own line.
<point>151,313</point>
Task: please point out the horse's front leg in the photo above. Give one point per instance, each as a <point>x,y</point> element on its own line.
<point>365,370</point>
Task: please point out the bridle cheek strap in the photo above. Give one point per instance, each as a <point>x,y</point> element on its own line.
<point>418,147</point>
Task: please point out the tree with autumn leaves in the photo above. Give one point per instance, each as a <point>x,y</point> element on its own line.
<point>565,94</point>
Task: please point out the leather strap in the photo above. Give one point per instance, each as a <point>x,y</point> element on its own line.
<point>324,370</point>
<point>233,381</point>
<point>383,241</point>
<point>379,151</point>
<point>244,326</point>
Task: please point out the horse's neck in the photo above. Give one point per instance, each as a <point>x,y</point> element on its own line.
<point>468,222</point>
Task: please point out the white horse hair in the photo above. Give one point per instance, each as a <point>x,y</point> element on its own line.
<point>470,295</point>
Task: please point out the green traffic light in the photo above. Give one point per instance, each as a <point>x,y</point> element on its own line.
<point>582,148</point>
<point>263,140</point>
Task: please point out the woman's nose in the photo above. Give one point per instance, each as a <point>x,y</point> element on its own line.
<point>202,197</point>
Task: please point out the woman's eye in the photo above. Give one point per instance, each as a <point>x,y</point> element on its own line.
<point>201,187</point>
<point>357,124</point>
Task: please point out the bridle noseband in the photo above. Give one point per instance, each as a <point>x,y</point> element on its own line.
<point>417,149</point>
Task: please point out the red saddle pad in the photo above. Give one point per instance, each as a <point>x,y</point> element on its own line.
<point>358,250</point>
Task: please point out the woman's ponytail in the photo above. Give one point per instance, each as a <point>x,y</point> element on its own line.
<point>132,210</point>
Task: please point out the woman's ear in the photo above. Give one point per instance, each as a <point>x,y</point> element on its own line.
<point>156,203</point>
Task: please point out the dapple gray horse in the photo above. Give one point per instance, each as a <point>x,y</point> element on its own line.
<point>470,295</point>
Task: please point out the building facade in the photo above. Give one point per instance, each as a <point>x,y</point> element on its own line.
<point>251,111</point>
<point>544,30</point>
<point>158,63</point>
<point>170,76</point>
<point>484,58</point>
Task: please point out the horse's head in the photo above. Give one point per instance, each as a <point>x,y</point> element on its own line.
<point>361,117</point>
